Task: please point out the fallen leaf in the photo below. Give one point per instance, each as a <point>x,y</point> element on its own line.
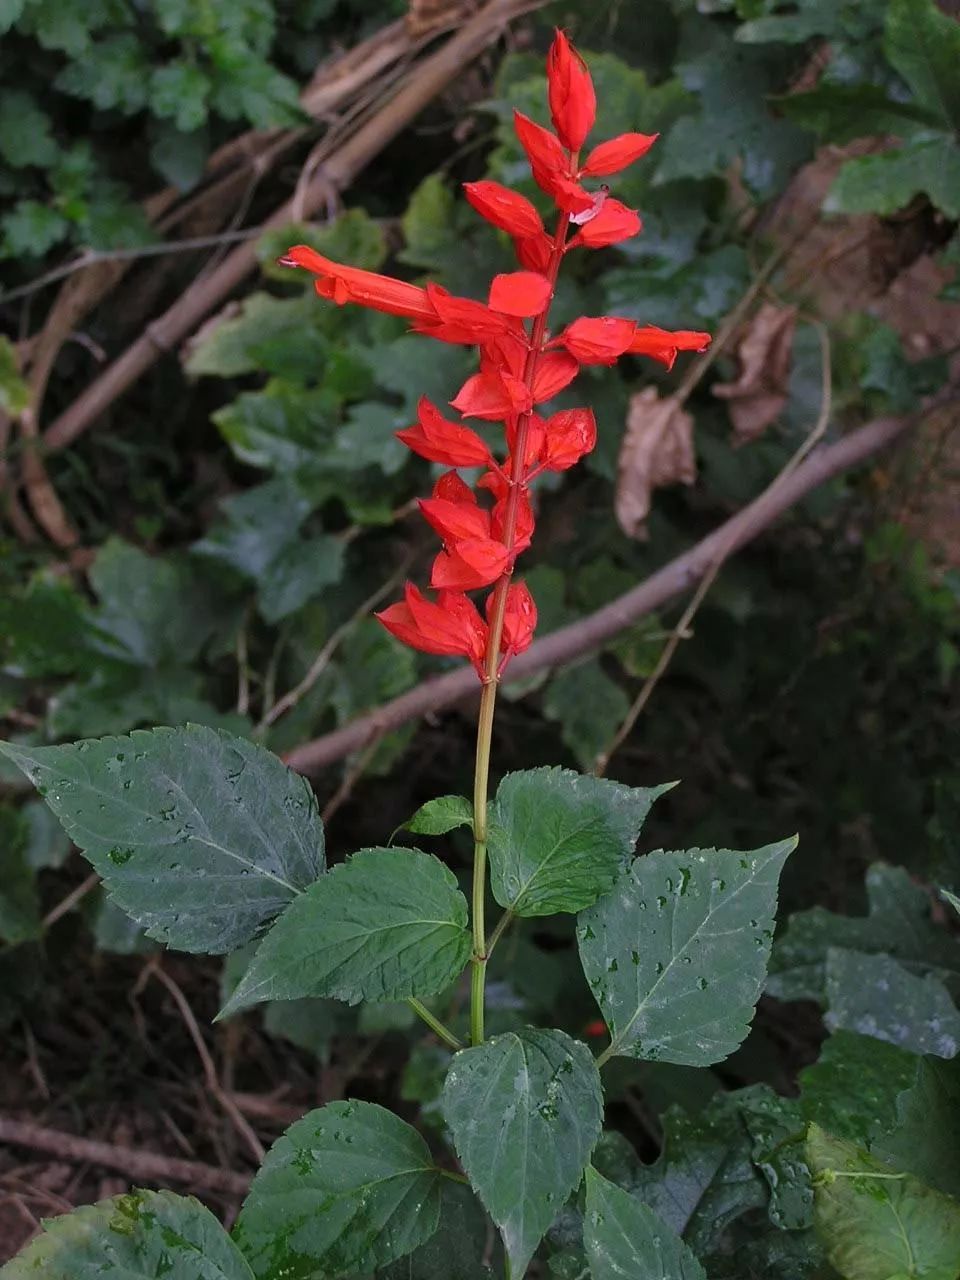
<point>759,393</point>
<point>657,450</point>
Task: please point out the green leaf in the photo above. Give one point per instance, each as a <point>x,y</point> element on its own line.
<point>200,836</point>
<point>285,427</point>
<point>385,925</point>
<point>625,1238</point>
<point>249,88</point>
<point>951,898</point>
<point>138,1237</point>
<point>113,76</point>
<point>179,157</point>
<point>925,165</point>
<point>876,996</point>
<point>558,839</point>
<point>777,1130</point>
<point>923,44</point>
<point>879,1225</point>
<point>898,922</point>
<point>852,1088</point>
<point>348,1188</point>
<point>19,902</point>
<point>301,571</point>
<point>842,112</point>
<point>429,235</point>
<point>926,1140</point>
<point>524,1111</point>
<point>25,136</point>
<point>588,706</point>
<point>30,229</point>
<point>437,817</point>
<point>114,931</point>
<point>456,1251</point>
<point>258,525</point>
<point>309,1024</point>
<point>179,92</point>
<point>676,953</point>
<point>14,392</point>
<point>277,334</point>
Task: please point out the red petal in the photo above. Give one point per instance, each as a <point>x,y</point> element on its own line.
<point>450,627</point>
<point>570,435</point>
<point>598,340</point>
<point>472,563</point>
<point>351,284</point>
<point>455,520</point>
<point>520,293</point>
<point>663,345</point>
<point>555,370</point>
<point>519,618</point>
<point>492,396</point>
<point>612,156</point>
<point>506,209</point>
<point>452,488</point>
<point>573,103</point>
<point>534,252</point>
<point>614,222</point>
<point>438,440</point>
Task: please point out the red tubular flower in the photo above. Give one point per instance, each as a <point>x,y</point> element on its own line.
<point>662,345</point>
<point>613,222</point>
<point>460,320</point>
<point>351,284</point>
<point>438,440</point>
<point>550,165</point>
<point>451,627</point>
<point>519,619</point>
<point>505,209</point>
<point>492,396</point>
<point>598,340</point>
<point>568,436</point>
<point>469,564</point>
<point>618,153</point>
<point>533,252</point>
<point>573,103</point>
<point>555,370</point>
<point>520,293</point>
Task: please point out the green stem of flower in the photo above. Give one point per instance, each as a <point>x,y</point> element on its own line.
<point>488,698</point>
<point>435,1025</point>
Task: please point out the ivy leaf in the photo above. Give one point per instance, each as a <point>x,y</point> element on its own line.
<point>878,1225</point>
<point>30,229</point>
<point>385,925</point>
<point>926,1139</point>
<point>179,157</point>
<point>876,996</point>
<point>625,1238</point>
<point>923,44</point>
<point>265,332</point>
<point>852,1088</point>
<point>179,92</point>
<point>138,1236</point>
<point>301,571</point>
<point>588,706</point>
<point>113,76</point>
<point>558,839</point>
<point>437,817</point>
<point>676,953</point>
<point>843,112</point>
<point>347,1188</point>
<point>25,134</point>
<point>200,836</point>
<point>524,1111</point>
<point>928,164</point>
<point>456,1250</point>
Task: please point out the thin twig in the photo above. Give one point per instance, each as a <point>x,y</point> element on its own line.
<point>70,901</point>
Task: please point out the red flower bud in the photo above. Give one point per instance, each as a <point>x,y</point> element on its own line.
<point>520,293</point>
<point>573,103</point>
<point>438,440</point>
<point>612,156</point>
<point>598,340</point>
<point>662,345</point>
<point>506,209</point>
<point>492,396</point>
<point>519,619</point>
<point>533,252</point>
<point>614,222</point>
<point>555,370</point>
<point>351,284</point>
<point>470,563</point>
<point>451,627</point>
<point>568,436</point>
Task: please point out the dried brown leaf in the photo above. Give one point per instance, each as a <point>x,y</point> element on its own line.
<point>657,450</point>
<point>759,393</point>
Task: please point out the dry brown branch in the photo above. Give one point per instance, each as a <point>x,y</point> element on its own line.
<point>421,85</point>
<point>138,1166</point>
<point>590,633</point>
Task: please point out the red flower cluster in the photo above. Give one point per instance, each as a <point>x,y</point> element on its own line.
<point>521,367</point>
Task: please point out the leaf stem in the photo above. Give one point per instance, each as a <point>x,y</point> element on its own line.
<point>435,1025</point>
<point>488,698</point>
<point>499,929</point>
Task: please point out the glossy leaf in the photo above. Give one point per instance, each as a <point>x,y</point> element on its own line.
<point>437,817</point>
<point>624,1238</point>
<point>876,996</point>
<point>524,1111</point>
<point>878,1225</point>
<point>926,1139</point>
<point>559,839</point>
<point>139,1236</point>
<point>200,837</point>
<point>385,925</point>
<point>456,1250</point>
<point>852,1088</point>
<point>676,953</point>
<point>777,1130</point>
<point>349,1187</point>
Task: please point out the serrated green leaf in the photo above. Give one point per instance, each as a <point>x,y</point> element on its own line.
<point>852,1088</point>
<point>524,1111</point>
<point>200,836</point>
<point>923,44</point>
<point>138,1236</point>
<point>925,165</point>
<point>879,1225</point>
<point>437,817</point>
<point>625,1238</point>
<point>676,953</point>
<point>179,92</point>
<point>348,1188</point>
<point>898,922</point>
<point>277,334</point>
<point>115,932</point>
<point>30,229</point>
<point>25,134</point>
<point>113,76</point>
<point>558,839</point>
<point>926,1139</point>
<point>951,898</point>
<point>876,996</point>
<point>457,1249</point>
<point>285,427</point>
<point>385,925</point>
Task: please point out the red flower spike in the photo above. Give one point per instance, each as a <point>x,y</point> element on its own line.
<point>451,627</point>
<point>350,284</point>
<point>455,521</point>
<point>550,165</point>
<point>469,564</point>
<point>519,619</point>
<point>573,103</point>
<point>618,153</point>
<point>533,252</point>
<point>598,340</point>
<point>438,440</point>
<point>555,370</point>
<point>568,436</point>
<point>460,320</point>
<point>662,345</point>
<point>520,293</point>
<point>614,222</point>
<point>492,396</point>
<point>534,440</point>
<point>505,209</point>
